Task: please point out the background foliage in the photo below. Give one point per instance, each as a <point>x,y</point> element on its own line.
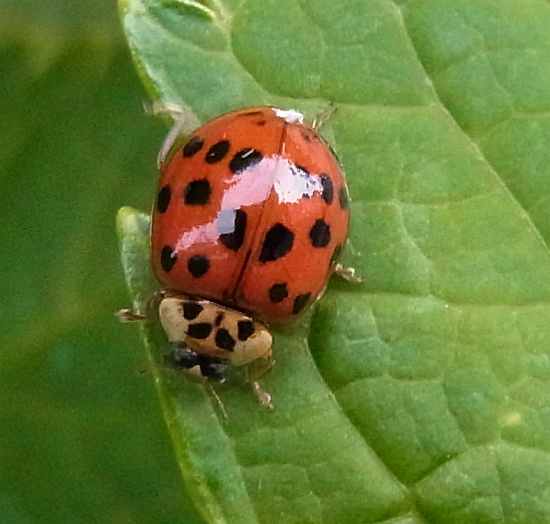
<point>81,436</point>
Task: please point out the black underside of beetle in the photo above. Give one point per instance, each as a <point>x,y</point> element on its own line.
<point>212,368</point>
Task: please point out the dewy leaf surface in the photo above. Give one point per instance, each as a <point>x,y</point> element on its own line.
<point>423,395</point>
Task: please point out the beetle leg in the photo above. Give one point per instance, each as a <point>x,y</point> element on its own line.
<point>182,121</point>
<point>255,370</point>
<point>347,273</point>
<point>263,396</point>
<point>323,116</point>
<point>127,315</point>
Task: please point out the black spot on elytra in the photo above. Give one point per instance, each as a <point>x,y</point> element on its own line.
<point>259,115</point>
<point>245,159</point>
<point>197,192</point>
<point>219,318</point>
<point>245,329</point>
<point>217,152</point>
<point>277,293</point>
<point>319,234</point>
<point>306,136</point>
<point>167,258</point>
<point>200,330</point>
<point>300,302</point>
<point>193,146</point>
<point>252,113</point>
<point>235,239</point>
<point>224,340</point>
<point>163,198</point>
<point>198,265</point>
<point>277,243</point>
<point>343,198</point>
<point>191,310</point>
<point>328,188</point>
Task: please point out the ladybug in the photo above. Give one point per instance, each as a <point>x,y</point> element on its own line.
<point>250,216</point>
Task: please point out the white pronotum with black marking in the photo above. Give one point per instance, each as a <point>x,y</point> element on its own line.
<point>211,336</point>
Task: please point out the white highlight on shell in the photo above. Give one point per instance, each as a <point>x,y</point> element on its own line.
<point>291,183</point>
<point>251,187</point>
<point>254,185</point>
<point>290,116</point>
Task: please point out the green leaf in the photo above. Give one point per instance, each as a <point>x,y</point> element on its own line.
<point>423,395</point>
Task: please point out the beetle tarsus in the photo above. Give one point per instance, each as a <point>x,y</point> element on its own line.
<point>127,315</point>
<point>347,273</point>
<point>263,396</point>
